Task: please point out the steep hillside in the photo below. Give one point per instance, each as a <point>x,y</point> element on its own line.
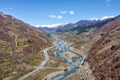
<point>20,46</point>
<point>101,47</point>
<point>104,56</point>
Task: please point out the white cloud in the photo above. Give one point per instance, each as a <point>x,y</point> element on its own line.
<point>108,2</point>
<point>63,12</point>
<point>49,25</point>
<point>71,12</point>
<point>8,8</point>
<point>56,17</point>
<point>59,17</point>
<point>103,18</point>
<point>37,25</point>
<point>51,16</point>
<point>95,19</point>
<point>106,17</point>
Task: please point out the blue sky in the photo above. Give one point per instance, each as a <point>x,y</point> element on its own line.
<point>47,12</point>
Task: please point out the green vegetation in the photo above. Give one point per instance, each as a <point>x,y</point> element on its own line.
<point>35,62</point>
<point>4,58</point>
<point>43,73</point>
<point>30,41</point>
<point>48,35</point>
<point>21,42</point>
<point>8,48</point>
<point>78,45</point>
<point>28,79</point>
<point>15,78</point>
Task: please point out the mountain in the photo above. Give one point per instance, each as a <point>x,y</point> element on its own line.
<point>80,26</point>
<point>104,56</point>
<point>20,46</point>
<point>101,49</point>
<point>84,25</point>
<point>47,29</point>
<point>71,26</point>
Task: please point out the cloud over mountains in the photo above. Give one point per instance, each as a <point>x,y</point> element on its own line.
<point>61,14</point>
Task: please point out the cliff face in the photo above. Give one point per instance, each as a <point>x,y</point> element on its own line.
<point>20,46</point>
<point>104,56</point>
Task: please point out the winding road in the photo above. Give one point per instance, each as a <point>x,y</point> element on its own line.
<point>38,67</point>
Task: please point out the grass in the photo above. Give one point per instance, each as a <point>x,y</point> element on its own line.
<point>21,42</point>
<point>8,49</point>
<point>4,58</point>
<point>35,62</point>
<point>15,77</point>
<point>78,45</point>
<point>75,76</point>
<point>41,74</point>
<point>28,79</point>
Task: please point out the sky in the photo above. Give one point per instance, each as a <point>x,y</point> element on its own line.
<point>54,12</point>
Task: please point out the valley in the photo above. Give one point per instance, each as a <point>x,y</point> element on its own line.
<point>72,66</point>
<point>85,50</point>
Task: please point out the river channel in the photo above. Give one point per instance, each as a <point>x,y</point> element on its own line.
<point>62,48</point>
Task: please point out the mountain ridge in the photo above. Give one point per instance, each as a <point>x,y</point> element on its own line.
<point>80,26</point>
<point>20,46</point>
<point>104,56</point>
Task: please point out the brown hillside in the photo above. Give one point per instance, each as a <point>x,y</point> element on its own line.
<point>104,56</point>
<point>20,46</point>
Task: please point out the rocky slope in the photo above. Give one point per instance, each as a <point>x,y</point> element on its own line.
<point>101,47</point>
<point>104,56</point>
<point>20,46</point>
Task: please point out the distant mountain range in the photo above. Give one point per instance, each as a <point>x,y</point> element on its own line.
<point>80,26</point>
